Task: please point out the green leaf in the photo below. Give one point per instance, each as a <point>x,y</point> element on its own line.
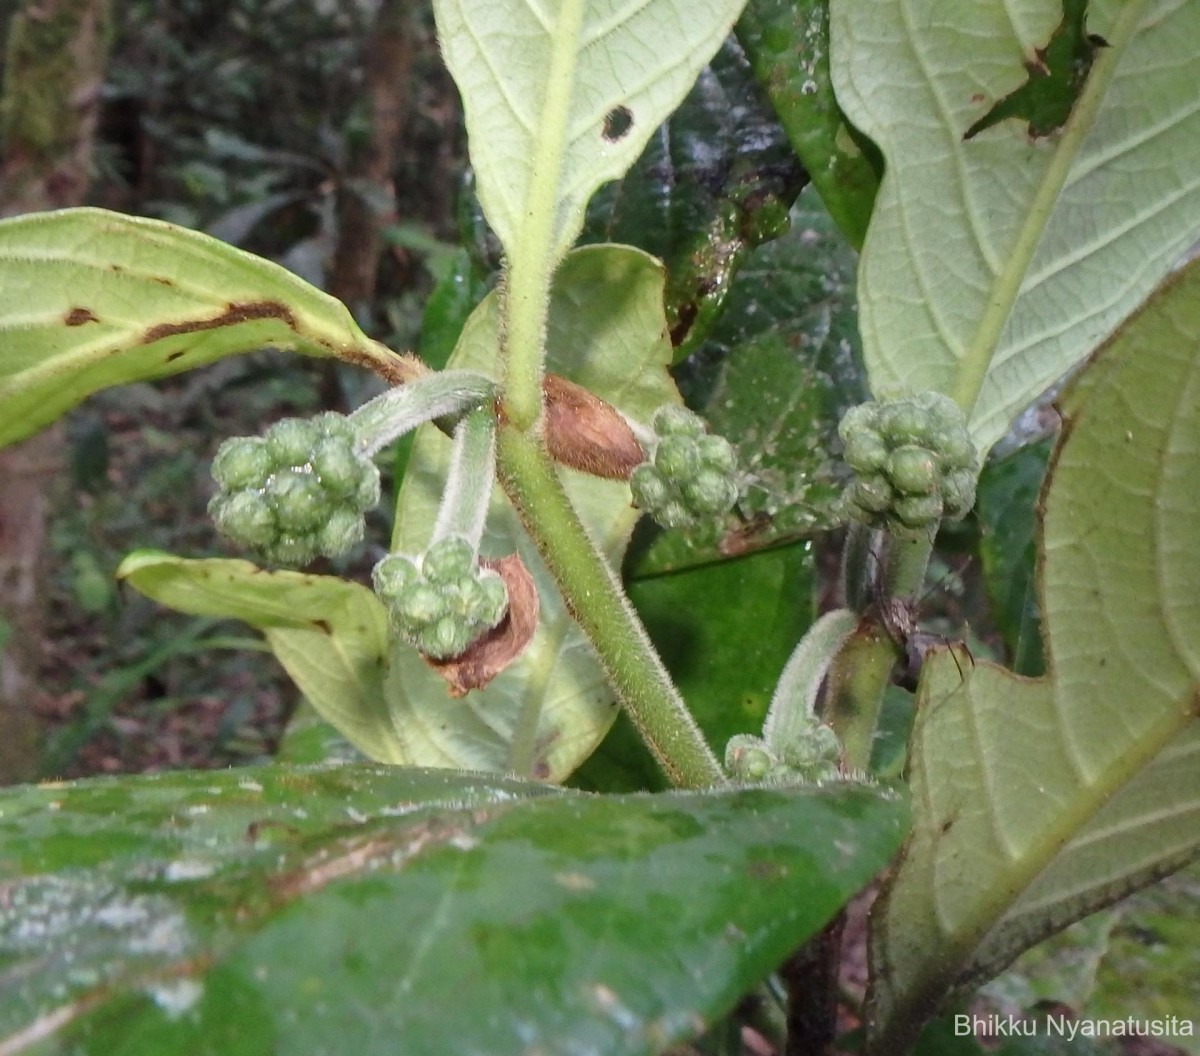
<point>308,738</point>
<point>774,378</point>
<point>90,299</point>
<point>1056,78</point>
<point>996,263</point>
<point>398,912</point>
<point>331,636</point>
<point>1005,506</point>
<point>1043,800</point>
<point>716,181</point>
<point>787,42</point>
<point>725,631</point>
<point>448,308</point>
<point>560,98</point>
<point>547,711</point>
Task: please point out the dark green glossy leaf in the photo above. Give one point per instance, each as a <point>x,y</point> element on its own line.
<point>787,43</point>
<point>716,180</point>
<point>450,304</point>
<point>725,631</point>
<point>405,912</point>
<point>1007,497</point>
<point>775,378</point>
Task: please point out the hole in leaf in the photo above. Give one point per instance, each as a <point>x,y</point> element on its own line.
<point>617,123</point>
<point>1056,76</point>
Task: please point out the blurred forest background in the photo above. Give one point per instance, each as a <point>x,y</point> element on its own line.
<point>324,134</point>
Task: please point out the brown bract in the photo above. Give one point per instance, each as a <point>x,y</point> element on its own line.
<point>491,654</point>
<point>585,433</point>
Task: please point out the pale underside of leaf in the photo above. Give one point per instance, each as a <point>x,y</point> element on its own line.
<point>90,299</point>
<point>547,711</point>
<point>561,96</point>
<point>1039,801</point>
<point>330,635</point>
<point>993,265</point>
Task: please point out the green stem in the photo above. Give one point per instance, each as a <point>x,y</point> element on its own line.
<point>857,680</point>
<point>792,704</point>
<point>863,669</point>
<point>534,252</point>
<point>595,599</point>
<point>905,562</point>
<point>469,480</point>
<point>401,409</point>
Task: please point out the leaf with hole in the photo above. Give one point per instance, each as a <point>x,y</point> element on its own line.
<point>995,263</point>
<point>714,182</point>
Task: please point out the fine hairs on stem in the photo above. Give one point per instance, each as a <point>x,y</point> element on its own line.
<point>464,506</point>
<point>402,409</point>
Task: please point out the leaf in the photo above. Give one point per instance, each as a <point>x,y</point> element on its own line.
<point>1008,492</point>
<point>331,636</point>
<point>1057,74</point>
<point>995,264</point>
<point>725,631</point>
<point>399,912</point>
<point>308,738</point>
<point>716,181</point>
<point>787,43</point>
<point>1040,801</point>
<point>562,97</point>
<point>545,714</point>
<point>775,377</point>
<point>91,299</point>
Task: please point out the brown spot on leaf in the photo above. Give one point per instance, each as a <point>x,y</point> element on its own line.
<point>617,123</point>
<point>176,355</point>
<point>79,316</point>
<point>323,626</point>
<point>491,654</point>
<point>255,829</point>
<point>685,316</point>
<point>233,315</point>
<point>585,433</point>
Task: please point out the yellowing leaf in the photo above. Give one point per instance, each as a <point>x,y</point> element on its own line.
<point>90,299</point>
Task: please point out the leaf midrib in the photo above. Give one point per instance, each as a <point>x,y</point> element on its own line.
<point>973,368</point>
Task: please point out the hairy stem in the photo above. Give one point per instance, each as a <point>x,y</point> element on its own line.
<point>595,599</point>
<point>464,506</point>
<point>402,409</point>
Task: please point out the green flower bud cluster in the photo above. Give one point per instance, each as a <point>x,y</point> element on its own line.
<point>692,476</point>
<point>445,602</point>
<point>914,462</point>
<point>812,757</point>
<point>299,490</point>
